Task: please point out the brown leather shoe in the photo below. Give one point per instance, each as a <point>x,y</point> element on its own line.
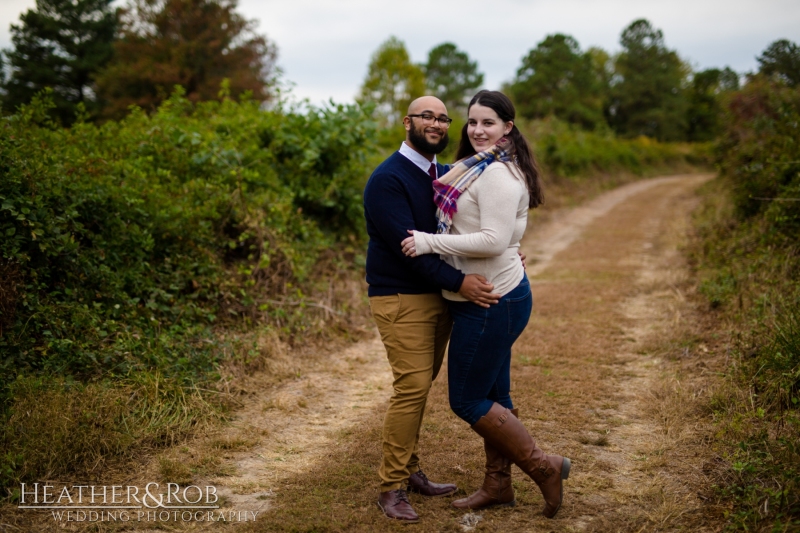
<point>395,504</point>
<point>496,489</point>
<point>418,482</point>
<point>506,433</point>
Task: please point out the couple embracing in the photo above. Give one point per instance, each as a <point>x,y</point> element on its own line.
<point>443,264</point>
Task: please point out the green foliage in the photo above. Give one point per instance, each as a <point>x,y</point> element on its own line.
<point>392,82</point>
<point>557,79</point>
<point>451,76</point>
<point>648,99</point>
<point>192,43</point>
<point>126,242</point>
<point>781,60</point>
<point>748,261</point>
<point>705,102</point>
<point>61,44</point>
<point>567,151</point>
<point>759,153</point>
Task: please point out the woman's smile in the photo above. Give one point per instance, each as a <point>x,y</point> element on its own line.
<point>485,128</point>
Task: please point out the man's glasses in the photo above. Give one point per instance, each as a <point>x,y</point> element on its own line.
<point>428,119</point>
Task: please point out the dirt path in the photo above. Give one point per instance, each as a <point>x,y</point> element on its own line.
<point>589,377</point>
<point>605,279</point>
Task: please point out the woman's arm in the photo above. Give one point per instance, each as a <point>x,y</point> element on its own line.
<point>498,201</point>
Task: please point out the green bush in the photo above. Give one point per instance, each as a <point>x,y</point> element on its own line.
<point>123,244</point>
<point>748,259</point>
<point>759,153</point>
<point>567,151</point>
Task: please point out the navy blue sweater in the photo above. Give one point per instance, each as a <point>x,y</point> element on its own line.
<point>399,197</point>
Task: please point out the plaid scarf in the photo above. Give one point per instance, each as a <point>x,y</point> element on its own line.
<point>448,188</point>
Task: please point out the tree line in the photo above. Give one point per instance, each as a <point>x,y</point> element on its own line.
<point>99,61</point>
<point>646,89</point>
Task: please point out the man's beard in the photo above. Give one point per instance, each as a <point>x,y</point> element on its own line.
<point>417,138</point>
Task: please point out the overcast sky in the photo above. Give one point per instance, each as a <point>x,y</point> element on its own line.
<point>325,46</point>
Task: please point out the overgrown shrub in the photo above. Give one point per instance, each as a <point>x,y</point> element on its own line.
<point>748,258</point>
<point>124,243</point>
<point>567,151</point>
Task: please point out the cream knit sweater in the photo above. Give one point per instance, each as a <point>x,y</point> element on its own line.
<point>484,238</point>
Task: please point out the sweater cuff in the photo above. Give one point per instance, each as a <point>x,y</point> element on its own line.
<point>421,243</point>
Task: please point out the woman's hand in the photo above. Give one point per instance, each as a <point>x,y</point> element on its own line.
<point>409,247</point>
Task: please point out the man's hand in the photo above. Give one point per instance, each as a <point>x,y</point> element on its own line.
<point>478,290</point>
<point>523,257</point>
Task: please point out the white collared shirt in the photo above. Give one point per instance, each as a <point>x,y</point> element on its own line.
<point>417,158</point>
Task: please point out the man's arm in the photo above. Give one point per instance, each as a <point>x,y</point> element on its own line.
<point>387,206</point>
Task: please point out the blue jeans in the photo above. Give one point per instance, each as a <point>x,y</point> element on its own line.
<point>479,358</point>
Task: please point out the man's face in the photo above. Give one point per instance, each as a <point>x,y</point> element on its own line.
<point>430,139</point>
<point>425,134</point>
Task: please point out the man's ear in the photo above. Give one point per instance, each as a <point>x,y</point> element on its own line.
<point>407,123</point>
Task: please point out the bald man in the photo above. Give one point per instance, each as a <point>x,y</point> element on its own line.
<point>405,297</point>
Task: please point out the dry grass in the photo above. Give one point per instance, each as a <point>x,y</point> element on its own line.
<point>599,376</point>
<point>614,371</point>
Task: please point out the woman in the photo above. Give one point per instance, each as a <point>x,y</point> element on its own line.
<point>483,207</point>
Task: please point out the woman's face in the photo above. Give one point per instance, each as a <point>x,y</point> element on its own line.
<point>484,127</point>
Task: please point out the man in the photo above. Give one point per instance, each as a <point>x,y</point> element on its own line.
<point>405,297</point>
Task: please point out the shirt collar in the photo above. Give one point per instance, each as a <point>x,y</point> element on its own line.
<point>417,158</point>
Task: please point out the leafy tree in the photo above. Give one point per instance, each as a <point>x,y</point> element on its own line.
<point>61,44</point>
<point>392,81</point>
<point>192,43</point>
<point>781,59</point>
<point>603,68</point>
<point>705,105</point>
<point>648,98</point>
<point>451,75</point>
<point>556,78</point>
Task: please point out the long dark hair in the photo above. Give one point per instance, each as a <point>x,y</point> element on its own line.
<point>520,147</point>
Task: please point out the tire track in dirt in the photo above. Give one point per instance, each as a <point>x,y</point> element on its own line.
<point>604,303</point>
<point>297,423</point>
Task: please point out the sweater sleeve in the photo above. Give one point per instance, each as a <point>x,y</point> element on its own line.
<point>386,203</point>
<point>497,199</point>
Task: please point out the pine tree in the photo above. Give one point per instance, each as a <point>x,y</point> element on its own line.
<point>649,97</point>
<point>61,44</point>
<point>451,76</point>
<point>557,78</point>
<point>781,60</point>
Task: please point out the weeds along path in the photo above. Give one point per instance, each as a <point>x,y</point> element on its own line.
<point>589,384</point>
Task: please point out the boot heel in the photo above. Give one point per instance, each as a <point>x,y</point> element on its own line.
<point>565,467</point>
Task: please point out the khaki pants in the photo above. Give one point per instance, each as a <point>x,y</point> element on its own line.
<point>415,329</point>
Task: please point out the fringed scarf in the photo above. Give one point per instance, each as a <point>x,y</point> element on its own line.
<point>448,188</point>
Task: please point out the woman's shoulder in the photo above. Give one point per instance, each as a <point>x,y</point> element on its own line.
<point>500,170</point>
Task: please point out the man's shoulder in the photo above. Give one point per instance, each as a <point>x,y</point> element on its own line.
<point>394,167</point>
<point>391,164</point>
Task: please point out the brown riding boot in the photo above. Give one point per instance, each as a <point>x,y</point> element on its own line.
<point>506,433</point>
<point>496,489</point>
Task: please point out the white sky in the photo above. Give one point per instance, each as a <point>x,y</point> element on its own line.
<point>324,46</point>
